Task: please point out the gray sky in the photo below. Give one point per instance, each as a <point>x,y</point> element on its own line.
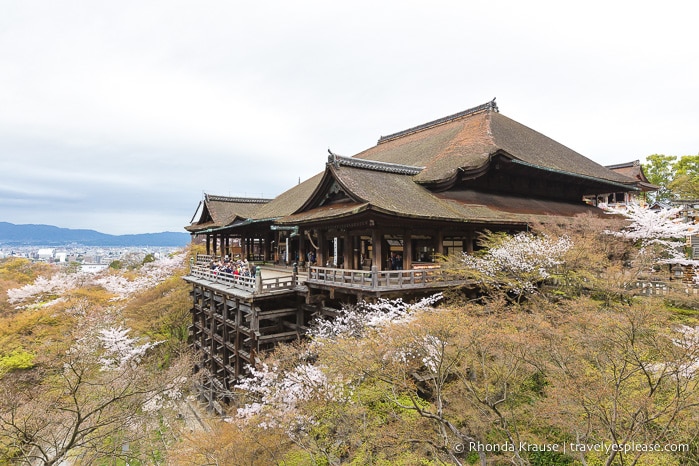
<point>117,116</point>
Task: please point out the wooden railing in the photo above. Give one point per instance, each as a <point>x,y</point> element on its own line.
<point>373,280</point>
<point>203,259</point>
<point>253,284</point>
<point>367,280</point>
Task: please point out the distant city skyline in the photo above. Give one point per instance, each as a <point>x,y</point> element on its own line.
<point>117,117</point>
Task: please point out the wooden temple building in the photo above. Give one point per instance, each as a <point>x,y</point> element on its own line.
<point>374,224</point>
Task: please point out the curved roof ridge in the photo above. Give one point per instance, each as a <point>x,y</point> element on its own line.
<point>340,161</point>
<point>440,121</point>
<point>240,200</point>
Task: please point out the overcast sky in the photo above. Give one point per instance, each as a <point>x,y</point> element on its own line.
<point>118,116</point>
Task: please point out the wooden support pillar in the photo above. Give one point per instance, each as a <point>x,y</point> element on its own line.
<point>208,244</point>
<point>302,248</point>
<point>277,256</point>
<point>356,253</point>
<point>225,351</point>
<point>377,248</point>
<point>347,256</point>
<point>439,248</point>
<point>322,254</point>
<point>407,251</point>
<point>268,246</point>
<point>469,241</point>
<point>212,331</point>
<point>299,321</point>
<point>238,338</point>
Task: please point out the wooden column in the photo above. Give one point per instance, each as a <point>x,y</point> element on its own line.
<point>275,252</point>
<point>302,248</point>
<point>208,244</point>
<point>439,248</point>
<point>376,248</point>
<point>268,246</point>
<point>347,256</point>
<point>469,241</point>
<point>407,251</point>
<point>238,338</point>
<point>322,253</point>
<point>226,353</point>
<point>356,252</point>
<point>212,332</point>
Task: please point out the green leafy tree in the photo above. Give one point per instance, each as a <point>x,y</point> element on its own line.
<point>660,171</point>
<point>678,178</point>
<point>685,184</point>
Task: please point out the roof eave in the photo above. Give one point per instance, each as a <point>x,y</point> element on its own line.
<point>628,187</point>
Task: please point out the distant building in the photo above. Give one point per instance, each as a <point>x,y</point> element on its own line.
<point>634,171</point>
<point>92,268</point>
<point>45,254</point>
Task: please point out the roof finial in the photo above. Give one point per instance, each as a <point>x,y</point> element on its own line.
<point>333,159</point>
<point>494,106</point>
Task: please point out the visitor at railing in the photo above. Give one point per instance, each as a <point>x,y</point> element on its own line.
<point>311,256</point>
<point>395,262</point>
<point>239,268</point>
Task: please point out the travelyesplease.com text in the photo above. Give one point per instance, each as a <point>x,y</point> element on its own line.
<point>571,447</point>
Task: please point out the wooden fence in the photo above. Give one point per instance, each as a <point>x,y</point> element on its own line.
<point>375,280</point>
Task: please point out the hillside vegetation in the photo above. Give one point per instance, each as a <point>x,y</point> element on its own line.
<point>93,368</point>
<point>560,360</point>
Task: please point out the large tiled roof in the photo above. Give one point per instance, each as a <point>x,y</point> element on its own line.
<point>397,194</point>
<point>400,175</point>
<point>467,141</point>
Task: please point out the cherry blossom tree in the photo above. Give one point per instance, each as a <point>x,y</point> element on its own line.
<point>47,290</point>
<point>277,393</point>
<point>118,350</point>
<point>659,233</point>
<point>354,321</point>
<point>44,287</point>
<point>516,263</point>
<point>96,404</point>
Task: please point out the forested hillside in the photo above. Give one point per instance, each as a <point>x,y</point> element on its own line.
<point>562,358</point>
<point>93,367</point>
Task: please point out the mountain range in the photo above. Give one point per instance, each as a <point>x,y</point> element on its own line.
<point>48,235</point>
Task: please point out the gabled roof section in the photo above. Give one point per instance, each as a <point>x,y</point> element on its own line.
<point>634,170</point>
<point>218,211</point>
<point>375,186</point>
<point>466,141</point>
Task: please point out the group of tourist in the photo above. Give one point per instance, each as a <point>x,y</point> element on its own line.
<point>395,262</point>
<point>240,268</point>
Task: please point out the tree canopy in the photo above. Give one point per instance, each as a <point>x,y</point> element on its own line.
<point>677,177</point>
